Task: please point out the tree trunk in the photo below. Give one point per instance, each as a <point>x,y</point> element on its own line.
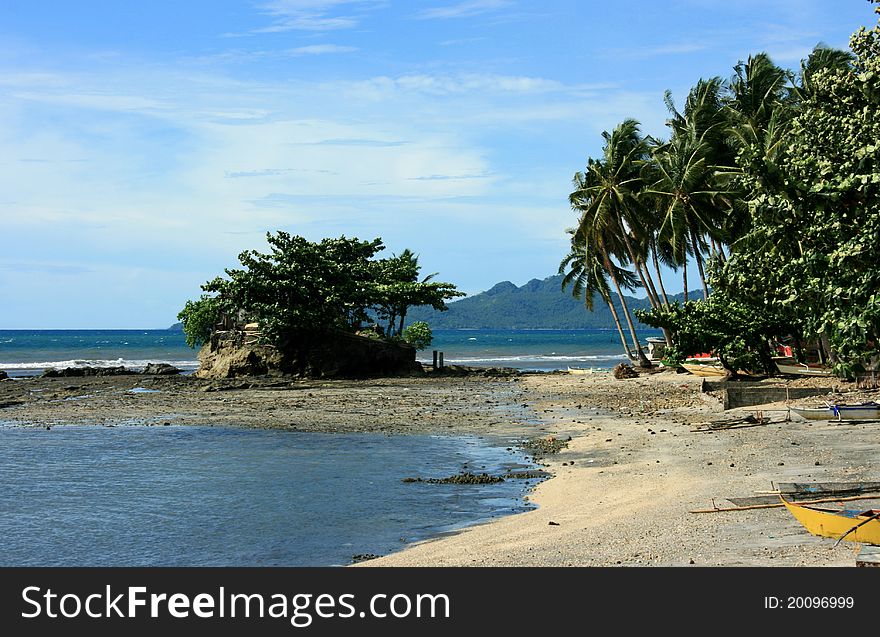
<point>721,252</point>
<point>699,256</point>
<point>659,277</point>
<point>618,325</point>
<point>400,328</point>
<point>650,280</point>
<point>684,276</point>
<point>652,294</point>
<point>640,354</point>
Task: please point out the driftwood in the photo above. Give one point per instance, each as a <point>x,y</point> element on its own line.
<point>737,422</point>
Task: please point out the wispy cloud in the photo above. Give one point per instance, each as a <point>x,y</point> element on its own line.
<point>373,143</point>
<point>310,15</point>
<point>450,177</point>
<point>671,48</point>
<point>319,49</point>
<point>462,9</point>
<point>383,86</point>
<point>45,268</point>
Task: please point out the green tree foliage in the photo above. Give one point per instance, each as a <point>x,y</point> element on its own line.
<point>397,288</point>
<point>729,329</point>
<point>304,287</point>
<point>783,169</point>
<point>198,319</point>
<point>814,243</point>
<point>418,335</point>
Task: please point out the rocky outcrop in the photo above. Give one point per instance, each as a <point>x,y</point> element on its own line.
<point>3,375</point>
<point>74,372</point>
<point>160,369</point>
<point>333,355</point>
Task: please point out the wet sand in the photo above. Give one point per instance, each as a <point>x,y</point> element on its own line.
<point>621,491</point>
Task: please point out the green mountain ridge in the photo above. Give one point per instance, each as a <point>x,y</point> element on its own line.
<point>538,304</point>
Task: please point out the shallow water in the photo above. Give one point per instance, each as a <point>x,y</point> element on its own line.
<point>194,496</point>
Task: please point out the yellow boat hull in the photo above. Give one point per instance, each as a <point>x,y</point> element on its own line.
<point>828,523</point>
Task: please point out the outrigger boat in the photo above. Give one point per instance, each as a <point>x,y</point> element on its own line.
<point>850,525</point>
<point>862,411</point>
<point>791,366</point>
<point>707,366</point>
<point>580,370</point>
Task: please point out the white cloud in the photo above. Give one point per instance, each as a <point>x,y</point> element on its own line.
<point>463,9</point>
<point>310,15</point>
<point>320,49</point>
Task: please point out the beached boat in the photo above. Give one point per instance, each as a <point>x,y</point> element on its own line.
<point>789,366</point>
<point>580,370</point>
<point>862,411</point>
<point>850,525</point>
<point>708,367</point>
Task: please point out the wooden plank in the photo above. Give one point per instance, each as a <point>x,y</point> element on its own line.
<point>869,556</point>
<point>870,496</point>
<point>827,488</point>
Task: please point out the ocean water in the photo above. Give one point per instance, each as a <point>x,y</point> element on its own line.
<point>28,352</point>
<point>544,350</point>
<point>212,496</point>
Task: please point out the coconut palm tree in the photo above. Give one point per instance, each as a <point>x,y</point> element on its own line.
<point>608,195</point>
<point>584,271</point>
<point>601,228</point>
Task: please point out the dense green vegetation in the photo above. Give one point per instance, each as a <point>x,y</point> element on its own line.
<point>769,182</point>
<point>303,287</point>
<point>418,335</point>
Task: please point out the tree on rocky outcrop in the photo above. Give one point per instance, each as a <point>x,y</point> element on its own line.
<point>302,288</point>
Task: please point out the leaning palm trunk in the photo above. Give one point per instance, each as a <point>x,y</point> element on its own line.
<point>617,324</point>
<point>684,276</point>
<point>699,256</point>
<point>640,354</point>
<point>649,289</point>
<point>657,271</point>
<point>650,280</point>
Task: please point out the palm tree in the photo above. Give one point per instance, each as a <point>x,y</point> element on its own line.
<point>601,228</point>
<point>682,178</point>
<point>608,194</point>
<point>585,271</point>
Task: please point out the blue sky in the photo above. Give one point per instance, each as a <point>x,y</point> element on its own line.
<point>145,144</point>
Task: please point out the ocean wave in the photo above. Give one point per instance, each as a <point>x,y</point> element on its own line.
<point>119,362</point>
<point>530,358</point>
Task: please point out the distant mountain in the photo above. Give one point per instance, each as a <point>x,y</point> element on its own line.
<point>177,327</point>
<point>535,305</point>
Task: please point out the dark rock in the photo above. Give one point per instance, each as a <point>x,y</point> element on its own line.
<point>461,478</point>
<point>77,372</point>
<point>363,557</point>
<point>3,375</point>
<point>160,369</point>
<point>330,355</point>
<point>552,523</point>
<point>544,446</point>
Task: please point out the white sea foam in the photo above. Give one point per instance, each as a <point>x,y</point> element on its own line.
<point>530,358</point>
<point>119,362</point>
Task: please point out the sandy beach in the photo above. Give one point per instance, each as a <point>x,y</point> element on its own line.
<point>621,491</point>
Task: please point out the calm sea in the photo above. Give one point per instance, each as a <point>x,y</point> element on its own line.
<point>28,352</point>
<point>206,496</point>
<point>76,495</point>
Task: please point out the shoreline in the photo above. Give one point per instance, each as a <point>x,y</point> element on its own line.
<point>619,494</point>
<point>622,492</point>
